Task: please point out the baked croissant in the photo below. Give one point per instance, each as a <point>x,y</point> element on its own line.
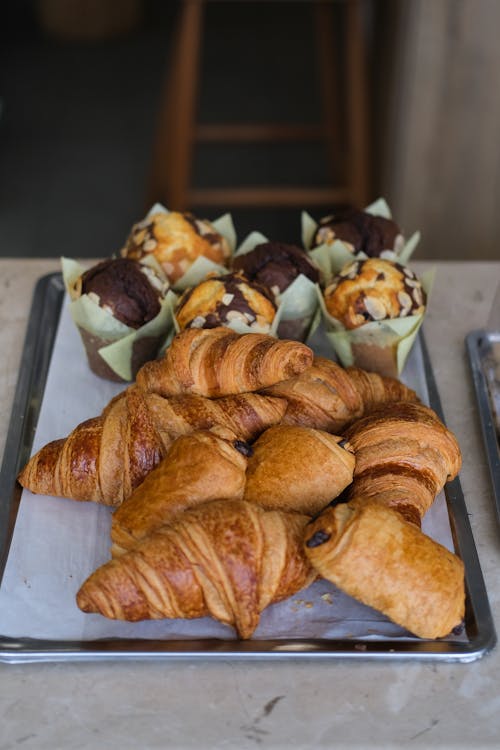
<point>327,396</point>
<point>228,559</point>
<point>204,465</point>
<point>404,457</point>
<point>298,469</point>
<point>105,458</point>
<point>374,555</point>
<point>216,362</point>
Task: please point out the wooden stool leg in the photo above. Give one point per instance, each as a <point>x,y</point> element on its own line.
<point>357,106</point>
<point>331,111</point>
<point>174,142</point>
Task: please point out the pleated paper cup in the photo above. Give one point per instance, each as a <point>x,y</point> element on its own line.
<point>114,350</point>
<point>380,346</point>
<point>203,266</point>
<point>333,257</point>
<point>297,304</point>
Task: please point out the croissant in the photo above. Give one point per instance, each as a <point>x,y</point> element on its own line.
<point>374,555</point>
<point>204,465</point>
<point>216,362</point>
<point>228,559</point>
<point>105,458</point>
<point>328,397</point>
<point>404,457</point>
<point>298,469</point>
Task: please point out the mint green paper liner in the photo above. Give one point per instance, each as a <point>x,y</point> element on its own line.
<point>114,350</point>
<point>332,258</point>
<point>202,266</point>
<point>380,346</point>
<point>297,305</point>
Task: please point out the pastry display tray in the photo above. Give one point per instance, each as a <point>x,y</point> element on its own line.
<point>483,349</point>
<point>475,639</point>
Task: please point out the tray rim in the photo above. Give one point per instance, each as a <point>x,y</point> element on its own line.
<point>44,316</point>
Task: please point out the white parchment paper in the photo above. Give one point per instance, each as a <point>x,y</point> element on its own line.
<point>57,543</point>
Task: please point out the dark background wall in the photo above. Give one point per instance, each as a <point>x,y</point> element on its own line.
<point>77,119</point>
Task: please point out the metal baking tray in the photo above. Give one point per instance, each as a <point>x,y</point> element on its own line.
<point>479,632</point>
<point>483,349</point>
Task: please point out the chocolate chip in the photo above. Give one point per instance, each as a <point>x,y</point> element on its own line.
<point>458,629</point>
<point>244,448</point>
<point>318,538</point>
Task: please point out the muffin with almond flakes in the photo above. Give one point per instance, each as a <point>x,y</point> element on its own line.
<point>371,307</point>
<point>229,300</point>
<point>176,240</point>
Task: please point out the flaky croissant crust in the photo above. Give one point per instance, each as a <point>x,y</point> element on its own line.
<point>228,559</point>
<point>216,362</point>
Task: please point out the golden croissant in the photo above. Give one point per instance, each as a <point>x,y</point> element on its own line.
<point>328,397</point>
<point>202,466</point>
<point>404,457</point>
<point>216,362</point>
<point>298,469</point>
<point>105,458</point>
<point>374,555</point>
<point>228,559</point>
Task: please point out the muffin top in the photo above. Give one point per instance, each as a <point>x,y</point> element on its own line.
<point>176,240</point>
<point>359,231</point>
<point>373,289</point>
<point>127,289</point>
<point>222,300</point>
<point>276,265</point>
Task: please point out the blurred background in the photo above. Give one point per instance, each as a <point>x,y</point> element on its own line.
<point>263,109</point>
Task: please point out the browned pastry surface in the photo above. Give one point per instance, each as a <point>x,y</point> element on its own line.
<point>228,559</point>
<point>298,469</point>
<point>105,458</point>
<point>328,397</point>
<point>373,289</point>
<point>176,240</point>
<point>216,362</point>
<point>375,556</point>
<point>404,456</point>
<point>204,465</point>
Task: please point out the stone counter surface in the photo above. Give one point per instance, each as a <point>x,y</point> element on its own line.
<point>306,704</point>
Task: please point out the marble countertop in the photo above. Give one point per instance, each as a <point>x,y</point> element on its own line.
<point>287,704</point>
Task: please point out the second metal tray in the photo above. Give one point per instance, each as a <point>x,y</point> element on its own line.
<point>480,349</point>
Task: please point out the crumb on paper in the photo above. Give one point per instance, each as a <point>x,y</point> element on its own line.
<point>328,598</point>
<point>298,603</point>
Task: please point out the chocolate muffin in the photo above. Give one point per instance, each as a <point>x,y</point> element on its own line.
<point>230,300</point>
<point>128,290</point>
<point>120,308</point>
<point>371,290</point>
<point>176,240</point>
<point>360,232</point>
<point>276,265</point>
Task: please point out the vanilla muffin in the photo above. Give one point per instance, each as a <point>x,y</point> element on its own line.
<point>359,231</point>
<point>176,240</point>
<point>373,290</point>
<point>229,300</point>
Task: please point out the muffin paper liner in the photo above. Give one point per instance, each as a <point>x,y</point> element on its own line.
<point>297,305</point>
<point>203,266</point>
<point>331,258</point>
<point>380,346</point>
<point>114,350</point>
